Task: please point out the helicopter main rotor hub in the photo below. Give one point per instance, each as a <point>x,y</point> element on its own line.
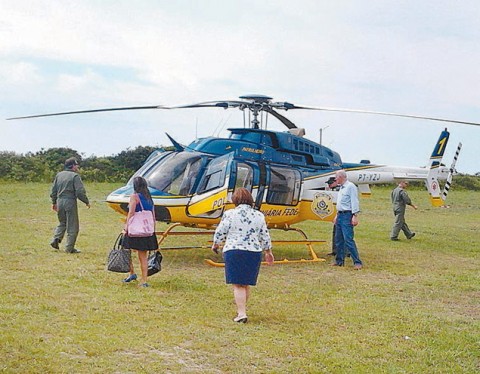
<point>257,98</point>
<point>256,105</point>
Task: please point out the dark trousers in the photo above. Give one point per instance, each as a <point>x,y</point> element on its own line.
<point>67,214</point>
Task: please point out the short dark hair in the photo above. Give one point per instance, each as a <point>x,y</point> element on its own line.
<point>71,162</point>
<point>242,196</point>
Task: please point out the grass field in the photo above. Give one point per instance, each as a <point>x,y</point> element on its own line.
<point>414,308</point>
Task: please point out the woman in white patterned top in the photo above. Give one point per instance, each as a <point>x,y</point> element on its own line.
<point>245,234</point>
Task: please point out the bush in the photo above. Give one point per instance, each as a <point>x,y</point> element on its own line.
<point>466,182</point>
<point>43,165</point>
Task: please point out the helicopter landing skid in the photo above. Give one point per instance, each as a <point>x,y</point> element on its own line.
<point>162,235</point>
<point>305,241</point>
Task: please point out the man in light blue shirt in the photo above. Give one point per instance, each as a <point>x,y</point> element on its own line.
<point>346,219</point>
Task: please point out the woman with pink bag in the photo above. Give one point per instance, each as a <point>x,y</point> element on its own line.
<point>141,200</point>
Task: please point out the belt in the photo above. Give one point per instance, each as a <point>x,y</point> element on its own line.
<point>344,211</point>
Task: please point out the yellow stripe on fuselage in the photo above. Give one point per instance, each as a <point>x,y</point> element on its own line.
<point>210,203</point>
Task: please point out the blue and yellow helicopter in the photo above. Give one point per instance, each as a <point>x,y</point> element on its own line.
<point>289,176</point>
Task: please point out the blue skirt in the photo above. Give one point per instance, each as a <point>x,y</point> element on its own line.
<point>242,267</point>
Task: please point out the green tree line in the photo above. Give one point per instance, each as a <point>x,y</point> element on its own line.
<point>43,165</point>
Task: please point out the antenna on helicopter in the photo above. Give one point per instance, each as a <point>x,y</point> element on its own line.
<point>196,128</point>
<point>321,133</point>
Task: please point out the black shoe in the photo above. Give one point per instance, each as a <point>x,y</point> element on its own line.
<point>395,239</point>
<point>55,243</point>
<point>411,236</point>
<point>73,251</point>
<point>331,254</point>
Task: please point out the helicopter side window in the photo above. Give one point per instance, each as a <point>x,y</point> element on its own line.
<point>284,188</point>
<point>214,177</point>
<point>191,171</point>
<point>244,176</point>
<point>213,180</point>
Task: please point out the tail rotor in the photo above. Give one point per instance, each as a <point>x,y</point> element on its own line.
<point>451,172</point>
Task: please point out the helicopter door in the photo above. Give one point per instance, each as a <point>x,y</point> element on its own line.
<point>211,196</point>
<point>262,182</point>
<point>284,187</point>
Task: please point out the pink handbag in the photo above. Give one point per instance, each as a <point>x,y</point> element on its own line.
<point>141,224</point>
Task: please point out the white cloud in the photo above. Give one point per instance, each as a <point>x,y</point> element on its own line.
<point>411,57</point>
<point>19,73</point>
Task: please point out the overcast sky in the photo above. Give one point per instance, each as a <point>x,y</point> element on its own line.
<point>412,57</point>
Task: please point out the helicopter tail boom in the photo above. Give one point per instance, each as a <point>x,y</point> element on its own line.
<point>363,175</point>
<point>435,169</point>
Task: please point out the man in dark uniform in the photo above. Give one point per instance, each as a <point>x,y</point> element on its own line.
<point>400,200</point>
<point>66,189</point>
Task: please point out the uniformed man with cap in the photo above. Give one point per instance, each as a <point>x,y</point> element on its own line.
<point>400,200</point>
<point>66,189</point>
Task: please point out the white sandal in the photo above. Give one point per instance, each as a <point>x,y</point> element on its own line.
<point>240,319</point>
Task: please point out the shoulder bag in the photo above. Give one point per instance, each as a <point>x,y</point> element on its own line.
<point>154,262</point>
<point>141,224</point>
<point>119,258</point>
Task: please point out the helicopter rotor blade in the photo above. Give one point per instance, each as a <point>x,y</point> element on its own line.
<point>382,113</point>
<point>281,118</point>
<point>91,111</point>
<point>253,104</point>
<point>210,104</point>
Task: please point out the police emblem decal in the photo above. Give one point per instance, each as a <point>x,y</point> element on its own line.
<point>322,204</point>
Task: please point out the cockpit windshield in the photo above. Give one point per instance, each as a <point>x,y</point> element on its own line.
<point>174,174</point>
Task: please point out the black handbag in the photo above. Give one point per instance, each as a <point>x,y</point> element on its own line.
<point>154,262</point>
<point>119,258</point>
